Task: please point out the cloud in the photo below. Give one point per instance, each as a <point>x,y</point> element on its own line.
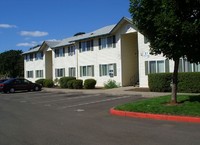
<point>33,33</point>
<point>27,44</point>
<point>7,26</point>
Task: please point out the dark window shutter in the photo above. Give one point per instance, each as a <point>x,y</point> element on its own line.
<point>114,41</point>
<point>115,69</point>
<point>99,43</point>
<point>79,46</point>
<point>167,65</point>
<point>146,68</point>
<point>92,45</point>
<point>100,70</point>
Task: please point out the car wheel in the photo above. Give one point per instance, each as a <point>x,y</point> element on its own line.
<point>12,90</point>
<point>36,88</point>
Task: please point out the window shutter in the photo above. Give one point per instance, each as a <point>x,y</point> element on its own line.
<point>100,74</point>
<point>115,69</point>
<point>81,71</point>
<point>79,46</point>
<point>93,70</point>
<point>146,68</point>
<point>56,73</point>
<point>167,65</point>
<point>114,41</point>
<point>99,43</point>
<point>92,45</point>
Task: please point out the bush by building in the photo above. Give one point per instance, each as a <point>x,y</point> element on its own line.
<point>40,81</point>
<point>90,83</point>
<point>48,83</point>
<point>77,84</point>
<point>188,82</point>
<point>64,80</point>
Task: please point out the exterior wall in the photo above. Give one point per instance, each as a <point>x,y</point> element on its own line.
<point>145,56</point>
<point>33,66</point>
<point>97,57</point>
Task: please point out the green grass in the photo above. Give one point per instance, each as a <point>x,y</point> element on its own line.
<point>187,106</point>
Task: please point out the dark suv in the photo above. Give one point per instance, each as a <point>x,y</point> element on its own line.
<point>15,84</point>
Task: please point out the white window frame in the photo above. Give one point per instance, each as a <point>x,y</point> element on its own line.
<point>87,71</point>
<point>59,72</point>
<point>108,69</point>
<point>71,50</point>
<point>29,74</point>
<point>148,67</point>
<point>72,71</point>
<point>59,52</point>
<point>39,73</point>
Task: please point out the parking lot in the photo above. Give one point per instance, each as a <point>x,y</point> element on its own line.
<point>76,118</point>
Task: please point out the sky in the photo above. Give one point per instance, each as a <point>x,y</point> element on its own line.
<point>27,23</point>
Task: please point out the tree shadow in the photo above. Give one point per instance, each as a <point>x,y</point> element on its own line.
<point>195,98</point>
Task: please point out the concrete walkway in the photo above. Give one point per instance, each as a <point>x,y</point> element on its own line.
<point>115,91</point>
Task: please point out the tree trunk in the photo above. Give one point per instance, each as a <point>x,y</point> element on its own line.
<point>175,82</point>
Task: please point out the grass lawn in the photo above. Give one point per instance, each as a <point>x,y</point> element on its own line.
<point>187,106</point>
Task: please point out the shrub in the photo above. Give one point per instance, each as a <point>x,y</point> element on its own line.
<point>77,84</point>
<point>48,83</point>
<point>111,84</point>
<point>160,82</point>
<point>40,81</point>
<point>89,83</point>
<point>70,84</point>
<point>64,80</point>
<point>188,82</point>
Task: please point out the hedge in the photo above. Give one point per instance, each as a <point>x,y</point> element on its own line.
<point>188,82</point>
<point>64,80</point>
<point>77,84</point>
<point>90,83</point>
<point>40,81</point>
<point>48,83</point>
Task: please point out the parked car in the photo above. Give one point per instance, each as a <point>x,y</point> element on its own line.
<point>3,80</point>
<point>15,84</point>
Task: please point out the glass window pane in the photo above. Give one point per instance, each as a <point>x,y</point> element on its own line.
<point>152,66</point>
<point>160,66</point>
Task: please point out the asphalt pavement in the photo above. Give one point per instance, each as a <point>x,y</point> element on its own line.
<point>77,117</point>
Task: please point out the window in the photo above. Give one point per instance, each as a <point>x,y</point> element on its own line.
<point>71,50</point>
<point>108,69</point>
<point>156,66</point>
<point>87,70</point>
<point>86,46</point>
<point>72,71</point>
<point>29,74</point>
<point>60,72</point>
<point>107,42</point>
<point>39,55</point>
<point>27,57</point>
<point>60,52</point>
<point>31,57</point>
<point>39,73</point>
<point>186,66</point>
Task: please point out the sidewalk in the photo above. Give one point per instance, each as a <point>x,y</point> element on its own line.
<point>115,91</point>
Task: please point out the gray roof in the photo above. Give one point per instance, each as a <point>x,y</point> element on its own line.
<point>99,32</point>
<point>36,49</point>
<point>102,31</point>
<point>52,43</point>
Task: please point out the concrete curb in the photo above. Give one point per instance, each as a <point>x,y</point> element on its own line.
<point>155,116</point>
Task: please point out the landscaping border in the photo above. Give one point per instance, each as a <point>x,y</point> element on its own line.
<point>155,116</point>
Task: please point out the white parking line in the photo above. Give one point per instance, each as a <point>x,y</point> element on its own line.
<point>65,99</point>
<point>94,102</point>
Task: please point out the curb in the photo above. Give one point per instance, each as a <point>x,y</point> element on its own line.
<point>155,116</point>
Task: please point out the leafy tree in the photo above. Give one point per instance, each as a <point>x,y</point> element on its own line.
<point>11,63</point>
<point>172,28</point>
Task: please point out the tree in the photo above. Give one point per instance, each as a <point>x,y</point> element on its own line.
<point>172,28</point>
<point>11,63</point>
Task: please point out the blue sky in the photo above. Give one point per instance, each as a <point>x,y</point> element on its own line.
<point>26,23</point>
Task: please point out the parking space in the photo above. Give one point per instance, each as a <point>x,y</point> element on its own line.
<point>61,101</point>
<point>53,118</point>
